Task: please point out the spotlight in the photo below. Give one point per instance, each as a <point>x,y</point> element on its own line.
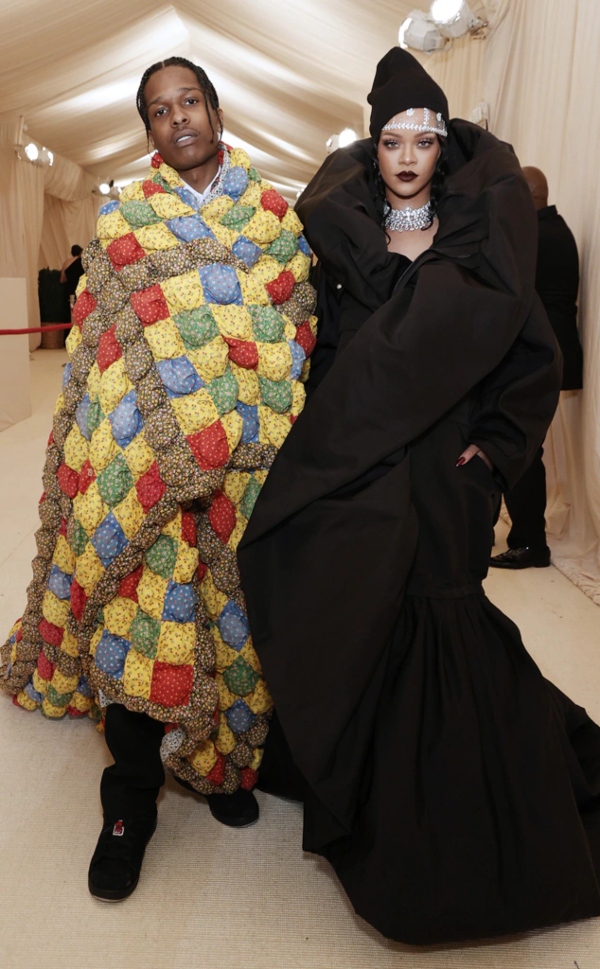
<point>31,151</point>
<point>346,137</point>
<point>50,157</point>
<point>454,18</point>
<point>104,188</point>
<point>421,33</point>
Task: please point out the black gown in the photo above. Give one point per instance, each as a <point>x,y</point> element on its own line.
<point>454,790</point>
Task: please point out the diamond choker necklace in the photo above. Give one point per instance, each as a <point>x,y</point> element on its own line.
<point>407,220</point>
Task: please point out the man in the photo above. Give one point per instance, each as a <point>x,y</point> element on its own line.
<point>557,283</point>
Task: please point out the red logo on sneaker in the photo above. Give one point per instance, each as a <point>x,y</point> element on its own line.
<point>118,829</point>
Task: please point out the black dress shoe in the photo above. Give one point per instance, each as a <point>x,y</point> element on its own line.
<point>238,810</point>
<point>117,861</point>
<point>522,558</point>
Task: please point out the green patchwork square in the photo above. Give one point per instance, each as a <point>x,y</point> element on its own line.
<point>250,495</point>
<point>161,556</point>
<point>115,481</point>
<point>79,538</point>
<point>224,392</point>
<point>138,214</point>
<point>267,324</point>
<point>238,216</point>
<point>284,248</point>
<point>240,678</point>
<point>57,699</point>
<point>253,175</point>
<point>197,327</point>
<point>276,394</point>
<point>144,633</point>
<point>95,416</point>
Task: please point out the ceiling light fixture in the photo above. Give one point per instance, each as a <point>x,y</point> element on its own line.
<point>345,137</point>
<point>454,18</point>
<point>104,188</point>
<point>32,151</point>
<point>420,32</point>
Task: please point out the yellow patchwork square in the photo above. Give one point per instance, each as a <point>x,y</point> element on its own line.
<point>257,757</point>
<point>177,643</point>
<point>252,195</point>
<point>186,564</point>
<point>274,428</point>
<point>119,613</point>
<point>81,703</point>
<point>225,655</point>
<point>55,610</point>
<point>132,193</point>
<point>151,593</point>
<point>130,514</point>
<point>114,384</point>
<point>261,476</point>
<point>225,738</point>
<point>226,697</point>
<point>210,360</point>
<point>249,654</point>
<point>233,321</point>
<point>248,385</point>
<point>233,425</point>
<point>253,290</point>
<point>76,449</point>
<point>64,556</point>
<point>60,402</point>
<point>299,265</point>
<point>266,269</point>
<point>263,228</point>
<point>195,411</point>
<point>291,222</point>
<point>183,292</point>
<point>237,533</point>
<point>260,700</point>
<point>54,713</point>
<point>90,509</point>
<point>274,360</point>
<point>137,675</point>
<point>298,397</point>
<point>239,157</point>
<point>93,382</point>
<point>155,238</point>
<point>73,340</point>
<point>289,330</point>
<point>173,527</point>
<point>25,701</point>
<point>215,210</point>
<point>40,685</point>
<point>64,684</point>
<point>224,235</point>
<point>139,455</point>
<point>95,640</point>
<point>204,758</point>
<point>103,447</point>
<point>69,644</point>
<point>169,206</point>
<point>164,340</point>
<point>235,485</point>
<point>89,569</point>
<point>214,600</point>
<point>112,226</point>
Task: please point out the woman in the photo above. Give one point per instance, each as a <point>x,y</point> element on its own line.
<point>192,329</point>
<point>455,792</point>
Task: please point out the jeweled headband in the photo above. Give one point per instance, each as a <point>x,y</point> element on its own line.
<point>426,126</point>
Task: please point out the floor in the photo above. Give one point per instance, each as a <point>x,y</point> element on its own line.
<point>209,896</point>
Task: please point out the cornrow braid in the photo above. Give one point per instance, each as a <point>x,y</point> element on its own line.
<point>211,98</point>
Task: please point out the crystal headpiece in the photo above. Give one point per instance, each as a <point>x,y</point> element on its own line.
<point>427,125</point>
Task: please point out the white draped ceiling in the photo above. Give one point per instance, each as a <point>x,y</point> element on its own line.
<point>289,74</point>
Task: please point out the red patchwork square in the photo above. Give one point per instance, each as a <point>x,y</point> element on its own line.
<point>109,350</point>
<point>150,305</point>
<point>44,667</point>
<point>248,778</point>
<point>280,289</point>
<point>201,571</point>
<point>86,476</point>
<point>63,528</point>
<point>222,516</point>
<point>244,353</point>
<point>78,600</point>
<point>50,633</point>
<point>171,685</point>
<point>217,775</point>
<point>305,338</point>
<point>124,251</point>
<point>188,528</point>
<point>272,201</point>
<point>150,487</point>
<point>210,446</point>
<point>84,305</point>
<point>151,188</point>
<point>128,586</point>
<point>68,480</point>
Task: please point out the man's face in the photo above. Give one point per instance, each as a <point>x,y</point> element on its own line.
<point>180,125</point>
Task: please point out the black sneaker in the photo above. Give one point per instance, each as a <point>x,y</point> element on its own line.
<point>238,810</point>
<point>522,558</point>
<point>117,861</point>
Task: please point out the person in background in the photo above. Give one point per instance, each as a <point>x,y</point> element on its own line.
<point>70,274</point>
<point>557,283</point>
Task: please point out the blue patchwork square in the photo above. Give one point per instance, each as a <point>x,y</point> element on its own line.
<point>84,688</point>
<point>303,246</point>
<point>109,540</point>
<point>81,416</point>
<point>66,374</point>
<point>111,653</point>
<point>126,420</point>
<point>239,717</point>
<point>59,583</point>
<point>247,251</point>
<point>33,694</point>
<point>235,182</point>
<point>179,376</point>
<point>187,197</point>
<point>109,207</point>
<point>251,428</point>
<point>220,284</point>
<point>180,603</point>
<point>298,358</point>
<point>233,625</point>
<point>189,227</point>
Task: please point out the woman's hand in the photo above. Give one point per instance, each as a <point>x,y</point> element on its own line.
<point>470,452</point>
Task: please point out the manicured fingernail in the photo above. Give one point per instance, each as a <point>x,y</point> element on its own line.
<point>460,462</point>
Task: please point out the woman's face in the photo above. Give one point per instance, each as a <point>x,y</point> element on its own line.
<point>180,126</point>
<point>407,160</point>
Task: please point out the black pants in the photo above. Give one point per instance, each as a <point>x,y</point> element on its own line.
<point>131,785</point>
<point>526,504</point>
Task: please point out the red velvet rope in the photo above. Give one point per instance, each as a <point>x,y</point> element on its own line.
<point>38,329</point>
